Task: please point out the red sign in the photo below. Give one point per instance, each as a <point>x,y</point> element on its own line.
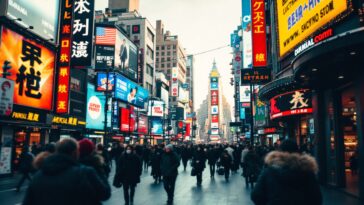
<point>143,124</point>
<point>62,104</point>
<point>237,58</point>
<point>215,118</point>
<point>259,34</point>
<point>188,129</point>
<point>124,119</point>
<point>270,130</point>
<point>214,97</point>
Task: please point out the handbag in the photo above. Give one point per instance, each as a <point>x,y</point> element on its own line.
<point>193,172</point>
<point>221,171</point>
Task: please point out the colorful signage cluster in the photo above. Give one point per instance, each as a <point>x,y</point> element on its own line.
<point>30,66</point>
<point>64,58</point>
<point>291,103</point>
<point>83,28</point>
<point>297,20</point>
<point>259,34</point>
<point>30,13</point>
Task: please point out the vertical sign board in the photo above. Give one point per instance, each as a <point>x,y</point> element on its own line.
<point>174,86</point>
<point>6,96</point>
<point>83,22</point>
<point>62,104</point>
<point>247,34</point>
<point>259,34</point>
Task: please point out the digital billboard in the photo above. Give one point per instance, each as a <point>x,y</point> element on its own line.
<point>130,92</point>
<point>33,13</point>
<point>126,56</point>
<point>297,20</point>
<point>155,108</point>
<point>143,124</point>
<point>157,126</point>
<point>247,34</point>
<point>31,66</point>
<point>128,120</point>
<point>102,81</point>
<point>244,93</point>
<point>95,109</point>
<point>104,57</point>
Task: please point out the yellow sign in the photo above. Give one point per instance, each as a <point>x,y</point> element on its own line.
<point>30,116</point>
<point>67,121</point>
<point>298,19</point>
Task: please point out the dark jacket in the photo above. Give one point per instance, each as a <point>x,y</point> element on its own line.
<point>185,153</point>
<point>169,164</point>
<point>128,169</point>
<point>288,179</point>
<point>25,162</point>
<point>212,156</point>
<point>155,161</point>
<point>61,180</point>
<point>95,161</point>
<point>199,161</point>
<point>252,165</point>
<point>225,160</point>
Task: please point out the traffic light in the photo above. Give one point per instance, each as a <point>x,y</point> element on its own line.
<point>6,67</point>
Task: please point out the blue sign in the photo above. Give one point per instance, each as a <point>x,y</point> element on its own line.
<point>157,126</point>
<point>95,109</point>
<point>130,92</point>
<point>235,40</point>
<point>242,113</point>
<point>214,86</point>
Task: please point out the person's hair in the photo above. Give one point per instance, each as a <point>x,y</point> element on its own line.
<point>66,146</point>
<point>129,146</point>
<point>99,146</point>
<point>51,147</point>
<point>288,146</point>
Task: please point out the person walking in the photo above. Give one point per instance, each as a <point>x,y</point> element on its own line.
<point>251,161</point>
<point>185,155</point>
<point>146,156</point>
<point>226,162</point>
<point>89,157</point>
<point>212,157</point>
<point>155,161</point>
<point>169,167</point>
<point>199,163</point>
<point>289,178</point>
<point>62,180</point>
<point>128,171</point>
<point>25,166</point>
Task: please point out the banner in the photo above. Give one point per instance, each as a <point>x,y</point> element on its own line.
<point>31,66</point>
<point>174,83</point>
<point>259,34</point>
<point>247,34</point>
<point>130,92</point>
<point>155,108</point>
<point>6,96</point>
<point>95,109</point>
<point>214,97</point>
<point>143,124</point>
<point>42,15</point>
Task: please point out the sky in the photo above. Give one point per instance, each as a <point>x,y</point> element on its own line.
<point>201,25</point>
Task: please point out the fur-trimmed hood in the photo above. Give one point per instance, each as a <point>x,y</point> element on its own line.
<point>291,162</point>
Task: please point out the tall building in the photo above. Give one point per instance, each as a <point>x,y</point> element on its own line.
<point>125,5</point>
<point>202,121</point>
<point>170,54</point>
<point>190,81</point>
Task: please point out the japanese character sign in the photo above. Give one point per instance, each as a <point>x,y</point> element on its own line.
<point>82,31</point>
<point>259,34</point>
<point>31,66</point>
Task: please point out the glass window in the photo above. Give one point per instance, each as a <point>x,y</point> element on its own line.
<point>174,64</point>
<point>157,48</point>
<point>174,46</point>
<point>169,53</point>
<point>150,35</point>
<point>163,47</point>
<point>168,65</point>
<point>162,65</point>
<point>169,47</point>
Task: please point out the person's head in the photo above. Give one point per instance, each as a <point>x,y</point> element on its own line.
<point>169,148</point>
<point>69,147</point>
<point>129,149</point>
<point>86,147</point>
<point>288,146</point>
<point>99,147</point>
<point>51,147</point>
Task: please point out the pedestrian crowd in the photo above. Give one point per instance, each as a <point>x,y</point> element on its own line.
<point>77,172</point>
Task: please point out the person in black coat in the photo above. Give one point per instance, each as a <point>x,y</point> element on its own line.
<point>62,180</point>
<point>288,179</point>
<point>25,166</point>
<point>128,171</point>
<point>226,161</point>
<point>170,162</point>
<point>212,157</point>
<point>185,155</point>
<point>199,163</point>
<point>252,169</point>
<point>155,161</point>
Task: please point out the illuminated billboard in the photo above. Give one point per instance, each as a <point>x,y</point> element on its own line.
<point>298,19</point>
<point>31,67</point>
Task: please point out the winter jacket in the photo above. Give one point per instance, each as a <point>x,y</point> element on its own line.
<point>61,180</point>
<point>225,161</point>
<point>252,167</point>
<point>95,161</point>
<point>169,164</point>
<point>25,162</point>
<point>128,169</point>
<point>288,179</point>
<point>212,156</point>
<point>155,160</point>
<point>199,161</point>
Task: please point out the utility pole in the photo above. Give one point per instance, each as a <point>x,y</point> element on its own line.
<point>106,108</point>
<point>251,114</point>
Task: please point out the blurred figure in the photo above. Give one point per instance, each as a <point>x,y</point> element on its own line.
<point>25,166</point>
<point>128,171</point>
<point>102,151</point>
<point>89,157</point>
<point>39,159</point>
<point>199,163</point>
<point>169,167</point>
<point>289,178</point>
<point>155,161</point>
<point>61,180</point>
<point>212,157</point>
<point>146,155</point>
<point>251,161</point>
<point>185,155</point>
<point>226,162</point>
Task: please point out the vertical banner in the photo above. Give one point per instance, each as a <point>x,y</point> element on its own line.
<point>175,88</point>
<point>6,96</point>
<point>247,34</point>
<point>62,104</point>
<point>259,34</point>
<point>83,24</point>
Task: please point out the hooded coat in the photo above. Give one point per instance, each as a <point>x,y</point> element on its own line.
<point>288,179</point>
<point>61,180</point>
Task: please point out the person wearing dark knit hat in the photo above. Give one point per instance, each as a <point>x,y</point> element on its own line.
<point>289,178</point>
<point>89,156</point>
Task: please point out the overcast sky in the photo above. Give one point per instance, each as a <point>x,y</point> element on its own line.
<point>201,25</point>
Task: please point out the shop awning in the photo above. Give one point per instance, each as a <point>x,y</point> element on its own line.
<point>276,87</point>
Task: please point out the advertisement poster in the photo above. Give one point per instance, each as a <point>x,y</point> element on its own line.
<point>155,108</point>
<point>214,86</point>
<point>102,81</point>
<point>95,109</point>
<point>32,13</point>
<point>244,93</point>
<point>126,56</point>
<point>130,92</point>
<point>214,110</point>
<point>104,57</point>
<point>143,124</point>
<point>247,34</point>
<point>214,97</point>
<point>5,160</point>
<point>157,128</point>
<point>31,67</point>
<point>6,96</point>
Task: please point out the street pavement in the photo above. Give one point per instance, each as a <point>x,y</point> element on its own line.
<point>216,191</point>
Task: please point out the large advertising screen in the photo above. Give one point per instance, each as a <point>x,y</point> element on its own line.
<point>127,120</point>
<point>130,92</point>
<point>298,19</point>
<point>31,66</point>
<point>33,13</point>
<point>247,34</point>
<point>95,109</point>
<point>291,103</point>
<point>126,56</point>
<point>143,124</point>
<point>104,57</point>
<point>156,108</point>
<point>157,126</point>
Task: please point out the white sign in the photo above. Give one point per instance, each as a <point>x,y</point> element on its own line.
<point>214,131</point>
<point>5,160</point>
<point>174,83</point>
<point>244,93</point>
<point>6,96</point>
<point>214,110</point>
<point>156,110</point>
<point>214,125</point>
<point>94,107</point>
